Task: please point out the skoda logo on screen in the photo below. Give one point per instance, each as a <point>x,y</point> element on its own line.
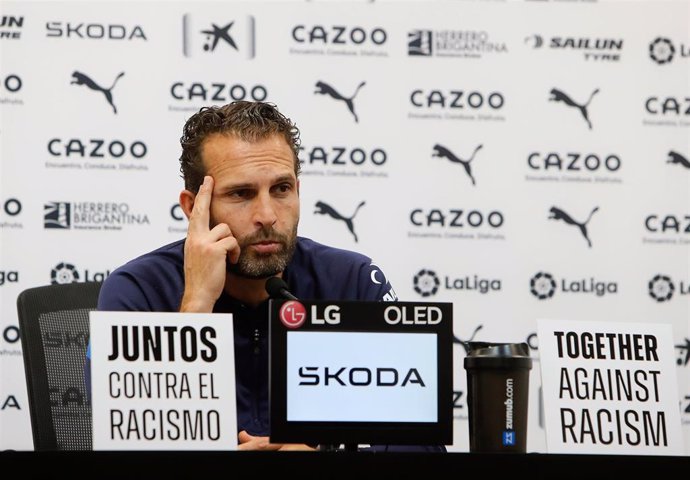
<point>292,314</point>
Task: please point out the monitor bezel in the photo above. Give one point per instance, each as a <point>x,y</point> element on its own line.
<point>361,316</point>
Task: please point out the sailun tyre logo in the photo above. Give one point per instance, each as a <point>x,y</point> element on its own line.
<point>542,285</point>
<point>661,288</point>
<point>426,283</point>
<point>64,273</point>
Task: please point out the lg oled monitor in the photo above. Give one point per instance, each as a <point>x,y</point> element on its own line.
<point>354,372</point>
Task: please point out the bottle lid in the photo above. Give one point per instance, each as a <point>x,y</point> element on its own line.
<point>498,355</point>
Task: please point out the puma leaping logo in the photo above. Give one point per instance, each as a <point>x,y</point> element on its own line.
<point>466,343</point>
<point>558,214</point>
<point>675,157</point>
<point>83,79</point>
<point>559,96</point>
<point>325,209</point>
<point>442,152</point>
<point>323,88</point>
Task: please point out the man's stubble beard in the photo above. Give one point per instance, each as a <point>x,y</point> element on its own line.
<point>256,266</point>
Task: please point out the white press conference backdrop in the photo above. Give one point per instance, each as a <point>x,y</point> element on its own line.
<point>520,159</point>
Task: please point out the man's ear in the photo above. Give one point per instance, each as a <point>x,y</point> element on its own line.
<point>187,202</point>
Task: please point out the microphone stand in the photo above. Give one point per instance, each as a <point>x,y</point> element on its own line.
<point>277,288</point>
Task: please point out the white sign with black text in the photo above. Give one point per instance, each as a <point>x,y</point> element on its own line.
<point>609,388</point>
<point>163,381</point>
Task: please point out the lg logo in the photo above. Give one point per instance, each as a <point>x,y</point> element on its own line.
<point>292,314</point>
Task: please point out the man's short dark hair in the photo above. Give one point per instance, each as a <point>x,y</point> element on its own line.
<point>248,121</point>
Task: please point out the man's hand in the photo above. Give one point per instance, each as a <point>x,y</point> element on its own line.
<point>250,442</point>
<point>205,254</point>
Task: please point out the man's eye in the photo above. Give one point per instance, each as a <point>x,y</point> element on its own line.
<point>239,193</point>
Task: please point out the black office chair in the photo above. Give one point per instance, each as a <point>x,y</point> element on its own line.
<point>54,330</point>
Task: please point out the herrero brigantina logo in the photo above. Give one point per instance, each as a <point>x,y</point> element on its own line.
<point>453,43</point>
<point>91,216</point>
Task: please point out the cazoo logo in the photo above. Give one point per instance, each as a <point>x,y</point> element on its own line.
<point>456,218</point>
<point>456,99</point>
<point>339,35</point>
<point>343,156</point>
<point>219,91</point>
<point>339,40</point>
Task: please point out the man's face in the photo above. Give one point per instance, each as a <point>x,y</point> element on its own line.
<point>256,193</point>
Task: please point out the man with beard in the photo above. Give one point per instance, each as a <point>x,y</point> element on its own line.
<point>240,168</point>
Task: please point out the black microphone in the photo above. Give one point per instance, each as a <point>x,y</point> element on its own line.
<point>277,288</point>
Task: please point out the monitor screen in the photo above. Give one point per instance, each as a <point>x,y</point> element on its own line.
<point>354,372</point>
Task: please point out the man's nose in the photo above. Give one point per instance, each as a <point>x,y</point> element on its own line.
<point>264,210</point>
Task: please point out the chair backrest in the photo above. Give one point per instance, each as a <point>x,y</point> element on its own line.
<point>54,331</point>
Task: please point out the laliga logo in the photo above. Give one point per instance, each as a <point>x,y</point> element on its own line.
<point>661,288</point>
<point>426,283</point>
<point>542,285</point>
<point>292,314</point>
<point>661,50</point>
<point>64,273</point>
